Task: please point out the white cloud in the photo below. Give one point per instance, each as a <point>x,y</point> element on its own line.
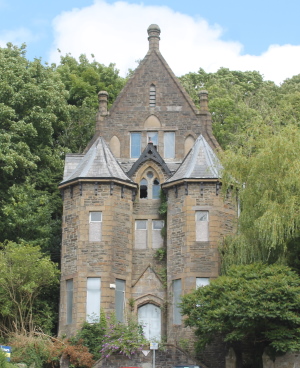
<point>118,33</point>
<point>17,36</point>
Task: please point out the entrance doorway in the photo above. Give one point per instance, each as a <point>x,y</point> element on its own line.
<point>149,316</point>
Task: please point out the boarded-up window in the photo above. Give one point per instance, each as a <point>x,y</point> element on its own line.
<point>157,239</point>
<point>95,226</point>
<point>201,281</point>
<point>169,145</point>
<point>93,296</point>
<point>176,300</point>
<point>69,286</point>
<point>120,300</point>
<point>141,234</point>
<point>202,226</point>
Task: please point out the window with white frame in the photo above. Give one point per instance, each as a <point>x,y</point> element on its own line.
<point>120,299</point>
<point>157,239</point>
<point>69,301</point>
<point>135,145</point>
<point>169,144</point>
<point>95,226</point>
<point>93,297</point>
<point>177,290</point>
<point>141,234</point>
<point>201,281</point>
<point>202,222</point>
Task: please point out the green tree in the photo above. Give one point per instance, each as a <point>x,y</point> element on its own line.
<point>34,110</point>
<point>255,306</point>
<point>25,276</point>
<point>83,79</point>
<point>264,172</point>
<point>236,100</point>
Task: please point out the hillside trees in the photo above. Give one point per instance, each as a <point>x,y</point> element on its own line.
<point>236,100</point>
<point>257,125</point>
<point>45,112</point>
<point>83,80</point>
<point>34,110</point>
<point>266,171</point>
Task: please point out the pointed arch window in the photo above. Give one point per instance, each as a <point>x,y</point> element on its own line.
<point>144,188</point>
<point>155,189</point>
<point>152,96</point>
<point>149,186</point>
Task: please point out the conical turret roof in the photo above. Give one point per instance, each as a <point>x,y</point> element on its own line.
<point>200,163</point>
<point>98,163</point>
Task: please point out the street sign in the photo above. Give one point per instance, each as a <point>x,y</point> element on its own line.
<point>7,350</point>
<point>153,345</point>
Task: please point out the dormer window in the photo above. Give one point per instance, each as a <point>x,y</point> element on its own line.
<point>152,96</point>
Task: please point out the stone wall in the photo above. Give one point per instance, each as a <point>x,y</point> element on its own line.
<point>108,259</point>
<point>289,360</point>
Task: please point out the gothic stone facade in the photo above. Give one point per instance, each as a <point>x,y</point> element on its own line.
<point>153,138</point>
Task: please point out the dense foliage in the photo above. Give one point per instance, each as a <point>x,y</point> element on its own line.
<point>26,276</point>
<point>256,305</point>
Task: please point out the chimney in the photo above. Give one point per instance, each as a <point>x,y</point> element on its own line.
<point>203,95</point>
<point>153,33</point>
<point>102,97</point>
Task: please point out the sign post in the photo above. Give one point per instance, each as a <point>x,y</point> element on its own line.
<point>153,346</point>
<point>7,350</point>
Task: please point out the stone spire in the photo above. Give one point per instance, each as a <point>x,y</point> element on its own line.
<point>153,33</point>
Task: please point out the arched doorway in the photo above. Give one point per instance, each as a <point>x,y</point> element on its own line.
<point>149,316</point>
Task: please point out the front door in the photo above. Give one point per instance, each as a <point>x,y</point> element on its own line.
<point>149,316</point>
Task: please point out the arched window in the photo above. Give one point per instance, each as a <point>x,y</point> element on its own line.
<point>144,188</point>
<point>152,96</point>
<point>149,185</point>
<point>155,189</point>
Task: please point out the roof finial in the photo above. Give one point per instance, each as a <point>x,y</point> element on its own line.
<point>153,33</point>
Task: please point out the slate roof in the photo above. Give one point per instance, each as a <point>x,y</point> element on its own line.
<point>200,163</point>
<point>97,163</point>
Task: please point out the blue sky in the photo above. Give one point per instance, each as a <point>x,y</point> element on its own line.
<point>258,35</point>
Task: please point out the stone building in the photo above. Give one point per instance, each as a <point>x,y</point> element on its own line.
<point>113,253</point>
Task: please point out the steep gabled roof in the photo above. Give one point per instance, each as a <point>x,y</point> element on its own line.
<point>200,163</point>
<point>149,153</point>
<point>98,163</point>
<point>153,32</point>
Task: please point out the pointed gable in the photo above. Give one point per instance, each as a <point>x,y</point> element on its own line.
<point>200,163</point>
<point>149,153</point>
<point>153,100</point>
<point>97,163</point>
